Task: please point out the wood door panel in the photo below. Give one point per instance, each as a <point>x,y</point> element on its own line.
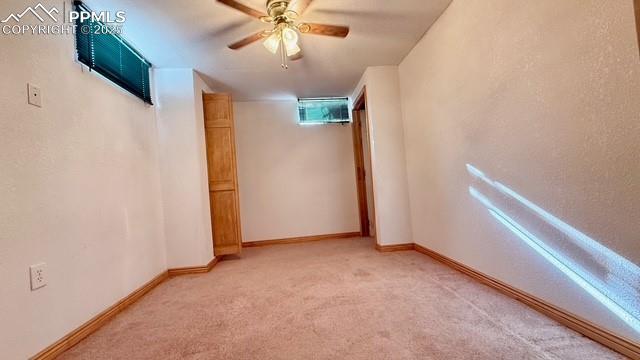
<point>223,178</point>
<point>217,112</point>
<point>220,155</point>
<point>224,218</point>
<point>360,174</point>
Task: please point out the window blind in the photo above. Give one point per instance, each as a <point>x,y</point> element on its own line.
<point>323,110</point>
<point>111,56</point>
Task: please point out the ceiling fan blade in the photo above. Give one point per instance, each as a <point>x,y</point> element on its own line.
<point>243,8</point>
<point>322,29</point>
<point>299,6</point>
<point>246,41</point>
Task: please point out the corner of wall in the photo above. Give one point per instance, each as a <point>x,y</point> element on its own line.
<point>200,87</point>
<point>384,118</point>
<point>184,181</point>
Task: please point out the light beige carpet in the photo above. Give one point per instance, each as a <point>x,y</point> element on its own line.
<point>337,299</point>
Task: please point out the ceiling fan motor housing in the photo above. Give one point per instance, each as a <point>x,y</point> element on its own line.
<point>278,8</point>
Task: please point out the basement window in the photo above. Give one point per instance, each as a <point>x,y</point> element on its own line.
<point>324,111</point>
<point>108,54</point>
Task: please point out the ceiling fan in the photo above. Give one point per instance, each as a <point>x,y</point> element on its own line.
<point>284,36</point>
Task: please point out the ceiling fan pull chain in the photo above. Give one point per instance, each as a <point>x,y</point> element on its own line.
<point>283,53</point>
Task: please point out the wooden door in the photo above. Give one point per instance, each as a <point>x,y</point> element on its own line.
<point>223,178</point>
<point>364,178</point>
<point>360,174</point>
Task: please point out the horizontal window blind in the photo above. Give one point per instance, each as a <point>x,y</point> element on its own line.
<point>323,110</point>
<point>111,56</point>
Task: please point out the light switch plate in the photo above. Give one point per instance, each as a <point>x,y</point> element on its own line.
<point>38,276</point>
<point>35,97</point>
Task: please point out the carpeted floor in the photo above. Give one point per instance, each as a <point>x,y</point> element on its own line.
<point>337,299</point>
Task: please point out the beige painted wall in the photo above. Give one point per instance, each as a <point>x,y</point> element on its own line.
<point>294,180</point>
<point>79,188</point>
<point>183,167</point>
<point>543,96</point>
<point>386,138</point>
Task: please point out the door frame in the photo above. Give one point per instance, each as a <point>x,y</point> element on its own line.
<point>358,152</point>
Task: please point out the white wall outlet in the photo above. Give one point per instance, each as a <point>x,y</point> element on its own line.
<point>35,97</point>
<point>38,276</point>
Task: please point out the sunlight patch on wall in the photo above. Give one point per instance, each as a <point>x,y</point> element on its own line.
<point>608,277</point>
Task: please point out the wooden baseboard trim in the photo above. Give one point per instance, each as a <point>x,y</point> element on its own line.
<point>394,248</point>
<point>595,332</point>
<point>194,269</point>
<point>301,239</point>
<point>99,320</point>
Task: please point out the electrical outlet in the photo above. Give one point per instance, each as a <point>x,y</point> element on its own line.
<point>35,98</point>
<point>38,278</point>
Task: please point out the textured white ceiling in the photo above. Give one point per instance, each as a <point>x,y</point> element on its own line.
<point>194,34</point>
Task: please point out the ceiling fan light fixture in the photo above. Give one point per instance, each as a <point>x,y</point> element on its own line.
<point>289,35</point>
<point>293,49</point>
<point>283,38</point>
<point>290,39</point>
<point>272,43</point>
